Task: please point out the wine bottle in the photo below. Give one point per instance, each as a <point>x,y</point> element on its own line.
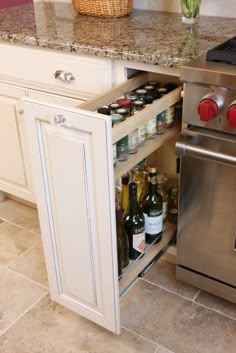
<point>122,239</point>
<point>125,192</point>
<point>153,209</point>
<point>134,224</point>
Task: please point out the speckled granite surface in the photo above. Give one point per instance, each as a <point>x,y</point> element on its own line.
<point>144,36</point>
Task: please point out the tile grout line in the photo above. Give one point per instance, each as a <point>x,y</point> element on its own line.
<point>191,300</point>
<point>215,311</point>
<point>22,254</point>
<point>168,290</point>
<point>21,315</point>
<point>17,225</point>
<point>195,297</point>
<point>29,279</point>
<point>138,335</point>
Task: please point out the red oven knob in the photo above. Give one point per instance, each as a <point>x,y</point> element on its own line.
<point>208,109</point>
<point>231,115</point>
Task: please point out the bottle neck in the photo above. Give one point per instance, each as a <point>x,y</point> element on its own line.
<point>152,183</point>
<point>133,203</point>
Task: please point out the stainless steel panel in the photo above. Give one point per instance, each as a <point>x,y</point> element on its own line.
<point>193,93</point>
<point>207,284</point>
<point>207,215</point>
<point>209,73</point>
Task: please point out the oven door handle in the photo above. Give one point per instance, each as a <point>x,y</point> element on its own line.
<point>184,147</point>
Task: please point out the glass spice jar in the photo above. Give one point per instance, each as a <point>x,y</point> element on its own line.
<point>170,116</point>
<point>161,123</point>
<point>138,105</point>
<point>113,107</point>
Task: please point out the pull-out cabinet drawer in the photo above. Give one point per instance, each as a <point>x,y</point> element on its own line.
<point>74,178</point>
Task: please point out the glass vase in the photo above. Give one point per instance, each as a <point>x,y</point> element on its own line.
<point>190,11</point>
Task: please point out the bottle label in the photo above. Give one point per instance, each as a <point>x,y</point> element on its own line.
<point>151,126</point>
<point>139,240</point>
<point>133,139</point>
<point>169,115</point>
<point>142,133</point>
<point>153,222</point>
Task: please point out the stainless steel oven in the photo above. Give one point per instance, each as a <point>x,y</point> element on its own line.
<point>206,240</point>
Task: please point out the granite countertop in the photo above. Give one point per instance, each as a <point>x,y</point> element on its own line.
<point>144,36</point>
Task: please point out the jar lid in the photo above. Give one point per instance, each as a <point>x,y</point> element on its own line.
<point>104,110</point>
<point>124,102</point>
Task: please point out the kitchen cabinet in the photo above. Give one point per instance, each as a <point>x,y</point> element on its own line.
<point>23,78</point>
<point>74,179</point>
<point>15,171</point>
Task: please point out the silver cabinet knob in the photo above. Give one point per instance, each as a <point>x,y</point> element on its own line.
<point>64,75</point>
<point>59,119</point>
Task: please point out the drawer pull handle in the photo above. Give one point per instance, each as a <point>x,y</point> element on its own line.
<point>64,75</point>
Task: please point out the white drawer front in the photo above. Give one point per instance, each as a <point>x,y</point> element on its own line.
<point>91,75</point>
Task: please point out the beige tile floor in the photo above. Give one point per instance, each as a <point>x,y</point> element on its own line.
<point>159,314</point>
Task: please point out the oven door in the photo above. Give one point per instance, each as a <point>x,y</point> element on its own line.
<point>206,240</point>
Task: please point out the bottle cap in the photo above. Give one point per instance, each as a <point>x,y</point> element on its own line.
<point>132,96</point>
<point>125,179</point>
<point>148,99</point>
<point>149,88</point>
<point>152,169</point>
<point>133,188</point>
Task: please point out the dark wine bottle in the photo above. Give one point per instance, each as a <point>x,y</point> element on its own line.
<point>134,224</point>
<point>153,209</point>
<point>123,242</point>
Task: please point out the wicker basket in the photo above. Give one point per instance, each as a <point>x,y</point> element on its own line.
<point>103,8</point>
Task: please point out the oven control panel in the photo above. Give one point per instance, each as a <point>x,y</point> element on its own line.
<point>211,107</point>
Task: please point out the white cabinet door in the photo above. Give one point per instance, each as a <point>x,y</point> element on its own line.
<point>72,164</point>
<point>14,173</point>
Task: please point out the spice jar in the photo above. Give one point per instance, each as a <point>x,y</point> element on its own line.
<point>126,104</point>
<point>151,128</point>
<point>161,123</point>
<point>113,107</point>
<point>141,92</point>
<point>170,116</point>
<point>122,147</point>
<point>138,105</point>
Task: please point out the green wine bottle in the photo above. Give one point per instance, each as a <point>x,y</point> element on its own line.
<point>134,224</point>
<point>153,209</point>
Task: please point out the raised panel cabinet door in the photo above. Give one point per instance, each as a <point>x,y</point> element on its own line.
<point>71,156</point>
<point>11,153</point>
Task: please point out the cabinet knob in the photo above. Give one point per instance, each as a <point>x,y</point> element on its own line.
<point>64,75</point>
<point>59,119</point>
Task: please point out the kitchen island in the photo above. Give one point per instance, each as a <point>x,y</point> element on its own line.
<point>144,36</point>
